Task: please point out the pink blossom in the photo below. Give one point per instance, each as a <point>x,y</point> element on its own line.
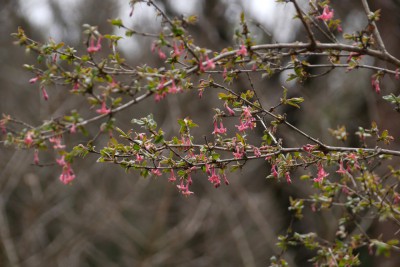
<point>242,127</point>
<point>274,172</point>
<point>76,86</point>
<point>238,154</point>
<point>156,172</point>
<point>139,157</point>
<point>55,58</point>
<point>201,67</point>
<point>174,89</point>
<point>214,178</point>
<point>308,148</point>
<point>287,176</point>
<point>184,189</point>
<point>321,174</point>
<point>177,50</point>
<point>326,14</point>
<point>225,73</point>
<point>56,141</point>
<point>44,93</point>
<point>172,178</point>
<point>230,111</point>
<point>36,157</point>
<point>256,151</point>
<point>34,80</point>
<point>376,84</point>
<point>242,51</point>
<point>209,63</point>
<point>220,130</point>
<point>161,54</point>
<point>94,48</point>
<point>72,129</point>
<point>103,109</point>
<point>341,168</point>
<point>28,138</point>
<point>67,174</point>
<point>61,161</point>
<point>225,179</point>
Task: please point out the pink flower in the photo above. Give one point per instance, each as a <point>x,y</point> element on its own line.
<point>209,63</point>
<point>67,174</point>
<point>230,111</point>
<point>177,50</point>
<point>242,127</point>
<point>56,141</point>
<point>220,130</point>
<point>61,161</point>
<point>225,73</point>
<point>321,174</point>
<point>36,157</point>
<point>274,172</point>
<point>28,138</point>
<point>139,158</point>
<point>341,168</point>
<point>184,189</point>
<point>72,129</point>
<point>287,176</point>
<point>94,48</point>
<point>173,89</point>
<point>242,51</point>
<point>172,178</point>
<point>326,14</point>
<point>256,152</point>
<point>34,80</point>
<point>103,109</point>
<point>238,154</point>
<point>376,84</point>
<point>308,148</point>
<point>45,95</point>
<point>225,179</point>
<point>76,86</point>
<point>214,179</point>
<point>161,54</point>
<point>156,172</point>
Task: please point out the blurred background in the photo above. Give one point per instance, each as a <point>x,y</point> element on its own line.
<point>107,217</point>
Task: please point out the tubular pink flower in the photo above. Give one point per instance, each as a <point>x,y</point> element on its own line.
<point>209,63</point>
<point>214,179</point>
<point>172,178</point>
<point>34,80</point>
<point>274,172</point>
<point>103,109</point>
<point>242,51</point>
<point>28,138</point>
<point>94,48</point>
<point>321,174</point>
<point>341,168</point>
<point>56,141</point>
<point>230,111</point>
<point>256,151</point>
<point>220,130</point>
<point>67,174</point>
<point>72,129</point>
<point>326,14</point>
<point>225,73</point>
<point>287,176</point>
<point>44,93</point>
<point>238,154</point>
<point>156,172</point>
<point>61,161</point>
<point>36,157</point>
<point>161,54</point>
<point>376,84</point>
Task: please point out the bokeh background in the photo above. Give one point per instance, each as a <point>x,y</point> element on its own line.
<point>111,218</point>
